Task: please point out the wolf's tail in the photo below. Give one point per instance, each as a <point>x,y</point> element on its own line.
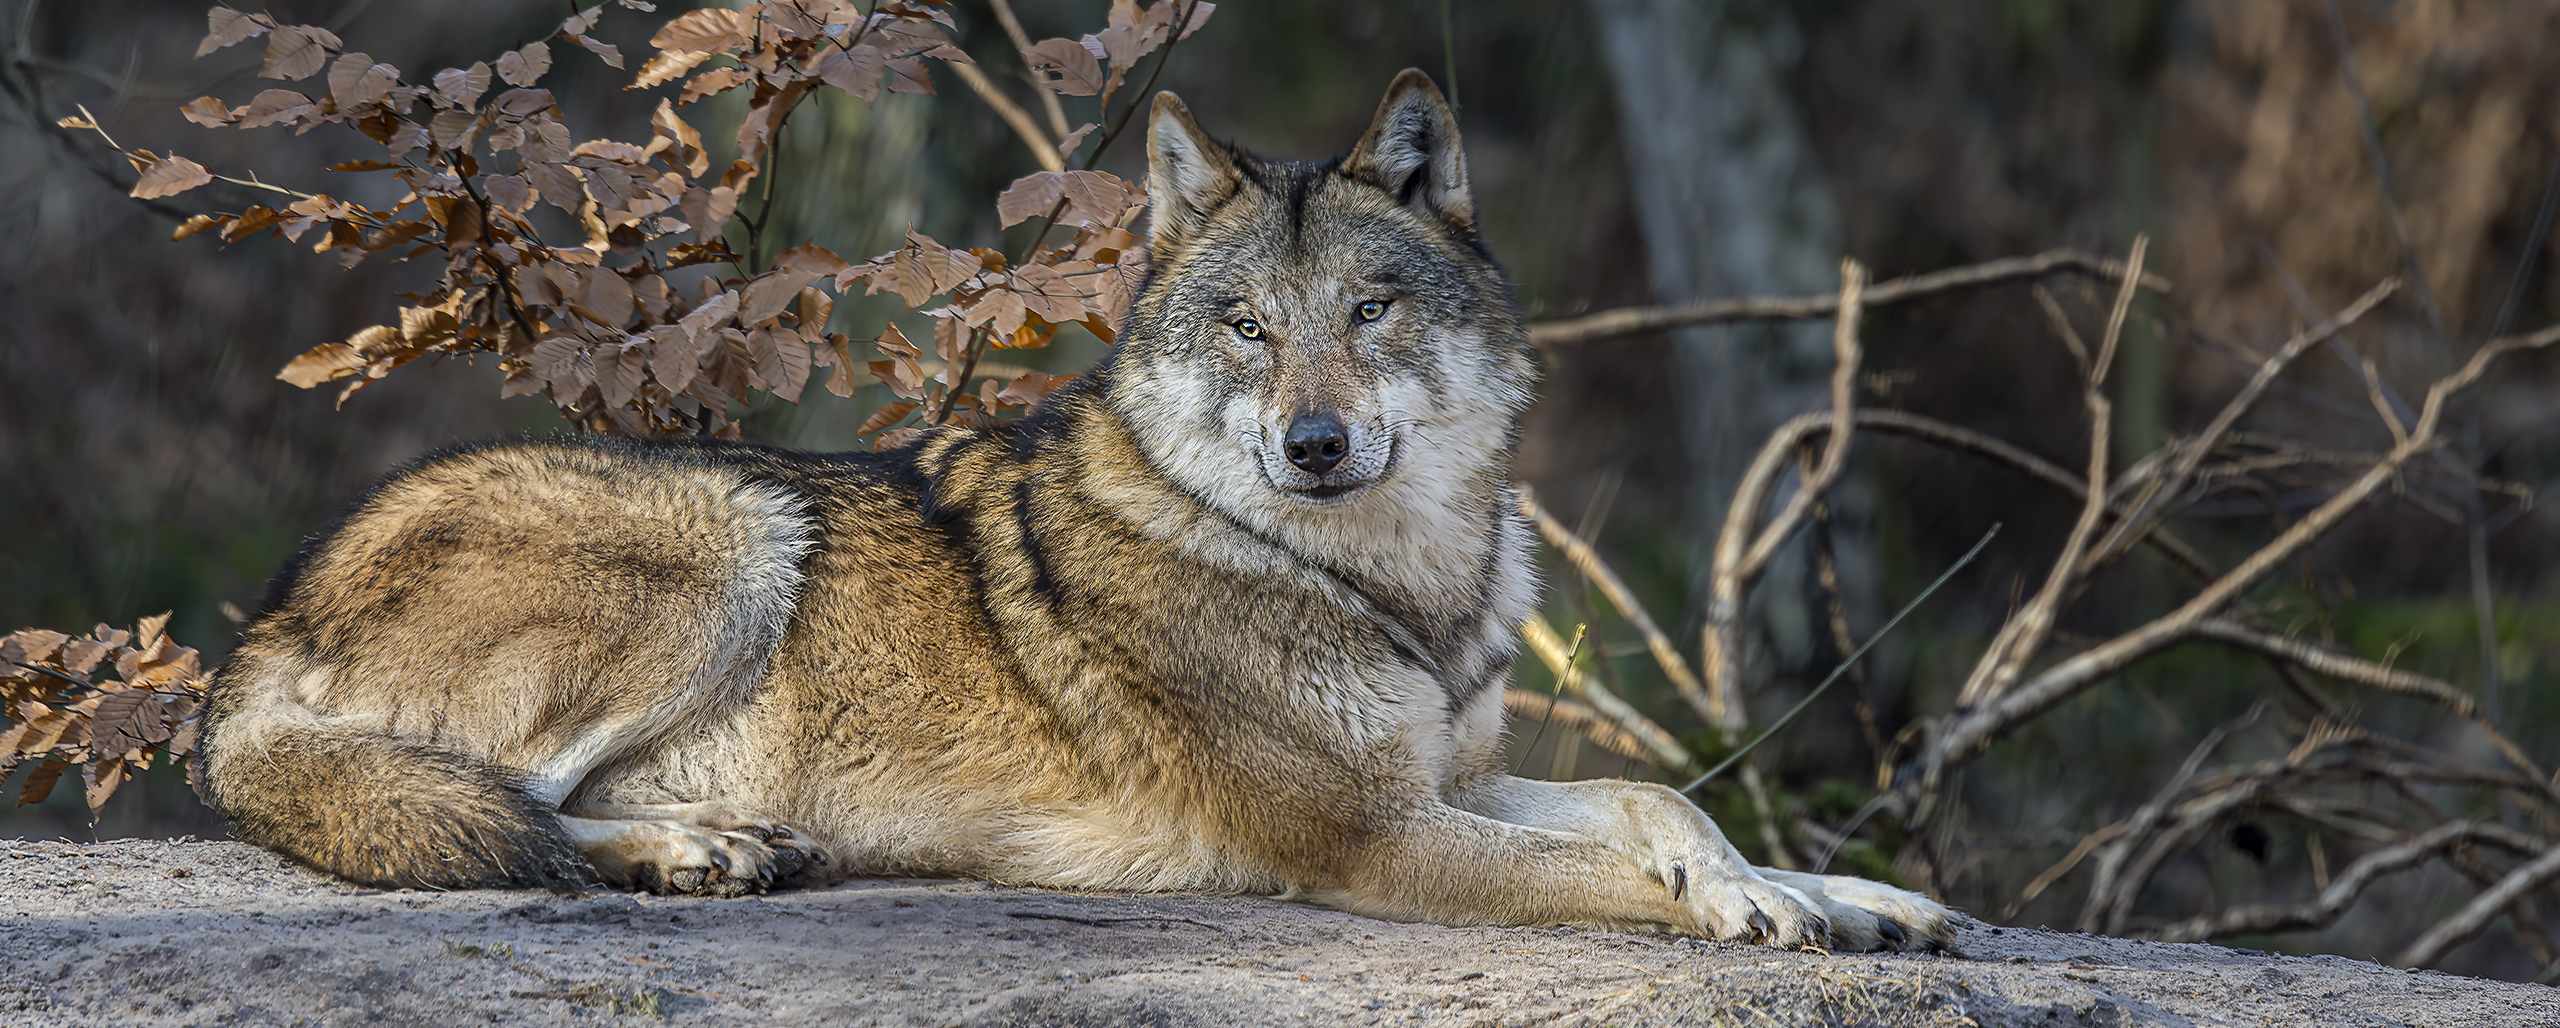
<point>366,807</point>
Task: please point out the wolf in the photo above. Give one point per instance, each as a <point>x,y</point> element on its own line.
<point>1231,613</point>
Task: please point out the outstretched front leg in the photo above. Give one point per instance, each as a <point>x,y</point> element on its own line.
<point>703,849</point>
<point>1679,851</point>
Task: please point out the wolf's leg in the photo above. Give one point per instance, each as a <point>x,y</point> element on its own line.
<point>1643,866</point>
<point>794,859</point>
<point>1680,845</point>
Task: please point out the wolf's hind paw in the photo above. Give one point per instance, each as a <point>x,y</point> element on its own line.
<point>670,857</point>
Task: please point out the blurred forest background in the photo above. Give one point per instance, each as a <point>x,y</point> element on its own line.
<point>1624,153</point>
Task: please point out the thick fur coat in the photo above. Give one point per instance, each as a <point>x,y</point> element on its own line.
<point>1233,612</point>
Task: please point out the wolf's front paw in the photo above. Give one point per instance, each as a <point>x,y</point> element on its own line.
<point>1733,904</point>
<point>1867,915</point>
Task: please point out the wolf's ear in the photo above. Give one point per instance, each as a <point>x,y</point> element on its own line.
<point>1412,152</point>
<point>1188,174</point>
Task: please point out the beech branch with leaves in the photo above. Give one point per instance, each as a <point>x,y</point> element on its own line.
<point>594,323</point>
<point>109,703</point>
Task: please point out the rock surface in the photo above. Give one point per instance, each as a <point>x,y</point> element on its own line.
<point>162,933</point>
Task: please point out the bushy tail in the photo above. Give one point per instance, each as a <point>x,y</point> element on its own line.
<point>377,810</point>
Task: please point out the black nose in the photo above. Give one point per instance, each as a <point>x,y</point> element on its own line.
<point>1316,442</point>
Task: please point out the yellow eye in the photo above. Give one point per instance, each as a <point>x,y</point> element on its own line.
<point>1371,309</point>
<point>1249,328</point>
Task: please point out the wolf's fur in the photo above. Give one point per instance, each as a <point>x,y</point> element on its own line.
<point>1127,643</point>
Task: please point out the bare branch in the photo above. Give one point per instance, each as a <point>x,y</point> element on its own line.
<point>2332,901</point>
<point>1588,561</point>
<point>1022,48</point>
<point>1972,730</point>
<point>1660,747</point>
<point>2111,860</point>
<point>1637,320</point>
<point>2024,634</point>
<point>1740,554</point>
<point>2476,915</point>
<point>2335,664</point>
<point>1042,147</point>
<point>2162,489</point>
<point>1576,715</point>
<point>1956,437</point>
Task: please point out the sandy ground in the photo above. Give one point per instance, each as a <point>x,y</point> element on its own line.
<point>162,933</point>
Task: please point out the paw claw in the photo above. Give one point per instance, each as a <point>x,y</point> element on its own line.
<point>1892,932</point>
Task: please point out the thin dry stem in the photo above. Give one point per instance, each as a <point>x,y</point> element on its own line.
<point>1660,748</point>
<point>1638,320</point>
<point>1022,48</point>
<point>1578,716</point>
<point>1586,560</point>
<point>1043,149</point>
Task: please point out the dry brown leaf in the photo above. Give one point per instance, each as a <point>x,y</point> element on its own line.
<point>225,26</point>
<point>856,72</point>
<point>40,781</point>
<point>713,83</point>
<point>273,107</point>
<point>668,66</point>
<point>1065,65</point>
<point>508,192</point>
<point>208,112</point>
<point>298,52</point>
<point>770,292</point>
<point>582,22</point>
<point>102,779</point>
<point>709,30</point>
<point>556,182</point>
<point>795,366</point>
<point>462,88</point>
<point>1031,387</point>
<point>681,138</point>
<point>839,353</point>
<point>199,223</point>
<point>524,66</point>
<point>1090,197</point>
<point>888,414</point>
<point>609,53</point>
<point>907,75</point>
<point>170,177</point>
<point>811,258</point>
<point>356,80</point>
<point>326,362</point>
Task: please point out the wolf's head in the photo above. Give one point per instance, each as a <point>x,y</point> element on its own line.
<point>1323,342</point>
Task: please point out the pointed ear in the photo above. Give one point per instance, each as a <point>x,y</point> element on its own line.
<point>1412,152</point>
<point>1188,174</point>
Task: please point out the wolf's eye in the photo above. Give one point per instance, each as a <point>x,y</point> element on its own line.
<point>1249,328</point>
<point>1370,310</point>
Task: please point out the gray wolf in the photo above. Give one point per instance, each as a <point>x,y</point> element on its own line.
<point>1231,613</point>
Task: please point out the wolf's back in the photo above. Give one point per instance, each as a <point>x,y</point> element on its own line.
<point>437,671</point>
